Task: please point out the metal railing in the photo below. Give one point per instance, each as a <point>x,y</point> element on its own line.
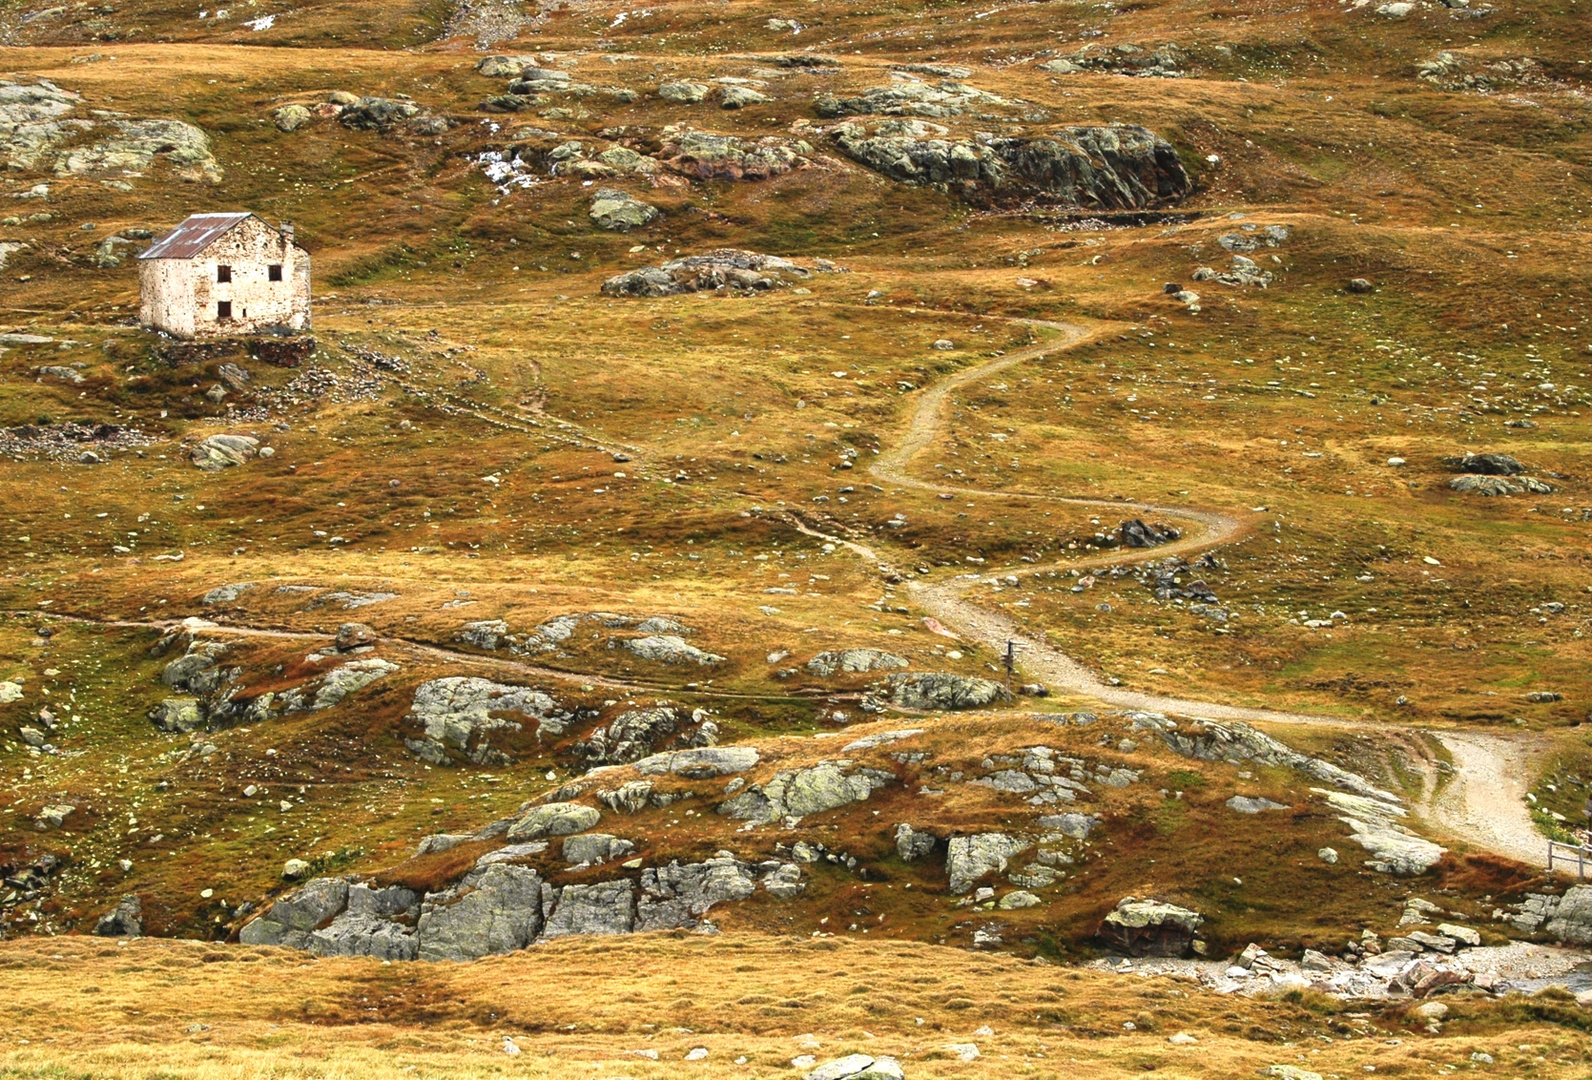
<point>1578,854</point>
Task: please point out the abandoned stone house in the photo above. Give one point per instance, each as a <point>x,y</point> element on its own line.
<point>221,274</point>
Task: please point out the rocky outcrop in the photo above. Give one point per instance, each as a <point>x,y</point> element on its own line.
<point>292,919</point>
<point>970,858</point>
<point>704,763</point>
<point>1375,824</point>
<point>1150,928</point>
<point>1162,62</point>
<point>943,690</point>
<point>798,793</point>
<point>554,819</point>
<point>914,844</point>
<point>40,129</point>
<point>460,716</point>
<point>701,156</point>
<point>493,910</point>
<point>179,715</point>
<point>670,649</point>
<point>125,920</point>
<point>500,907</point>
<point>1100,167</point>
<point>826,664</point>
<point>729,269</point>
<point>617,211</point>
<point>1237,743</point>
<point>1571,918</point>
<point>910,99</point>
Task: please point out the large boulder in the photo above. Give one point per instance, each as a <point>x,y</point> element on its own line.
<point>1486,465</point>
<point>225,451</point>
<point>377,114</point>
<point>495,910</point>
<point>730,269</point>
<point>1150,928</point>
<point>969,858</point>
<point>617,211</point>
<point>670,649</point>
<point>179,715</point>
<point>943,690</point>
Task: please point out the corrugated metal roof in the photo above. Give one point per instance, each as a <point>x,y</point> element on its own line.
<point>192,236</point>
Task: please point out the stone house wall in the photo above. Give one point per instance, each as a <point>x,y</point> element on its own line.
<point>184,297</point>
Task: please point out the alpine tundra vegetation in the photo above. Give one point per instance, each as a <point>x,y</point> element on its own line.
<point>914,540</point>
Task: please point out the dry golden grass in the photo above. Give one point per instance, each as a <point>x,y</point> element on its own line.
<point>583,1008</point>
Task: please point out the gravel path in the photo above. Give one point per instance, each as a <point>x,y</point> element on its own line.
<point>1485,802</point>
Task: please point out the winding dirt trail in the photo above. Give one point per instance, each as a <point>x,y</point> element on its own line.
<point>1485,802</point>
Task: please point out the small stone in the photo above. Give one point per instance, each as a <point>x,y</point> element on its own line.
<point>1328,855</point>
<point>1182,1038</point>
<point>697,1053</point>
<point>295,869</point>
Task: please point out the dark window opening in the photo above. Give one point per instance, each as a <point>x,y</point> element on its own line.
<point>274,272</point>
<point>223,309</point>
<point>223,273</point>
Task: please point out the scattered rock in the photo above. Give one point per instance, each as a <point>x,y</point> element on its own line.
<point>1245,804</point>
<point>291,117</point>
<point>683,92</point>
<point>226,594</point>
<point>224,451</point>
<point>354,635</point>
<point>1360,285</point>
<point>1328,855</point>
<point>295,870</point>
<point>179,715</point>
